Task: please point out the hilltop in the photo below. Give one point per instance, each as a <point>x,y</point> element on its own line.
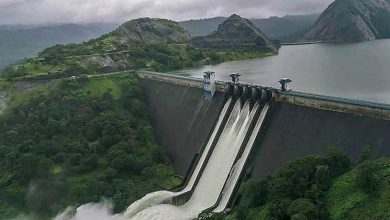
<point>236,33</point>
<point>150,30</point>
<point>146,43</point>
<point>280,28</point>
<point>353,21</point>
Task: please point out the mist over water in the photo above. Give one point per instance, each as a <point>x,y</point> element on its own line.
<point>91,211</point>
<point>359,71</point>
<point>221,167</point>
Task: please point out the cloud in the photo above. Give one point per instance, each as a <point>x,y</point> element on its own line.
<point>84,11</point>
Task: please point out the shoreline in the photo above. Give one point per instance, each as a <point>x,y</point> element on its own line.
<point>302,43</point>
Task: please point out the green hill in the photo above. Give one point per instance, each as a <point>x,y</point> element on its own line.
<point>75,142</point>
<point>150,30</point>
<point>154,44</point>
<point>286,28</point>
<point>348,201</point>
<point>20,42</point>
<point>317,187</point>
<point>236,33</point>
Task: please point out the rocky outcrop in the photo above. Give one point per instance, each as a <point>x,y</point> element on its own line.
<point>353,21</point>
<point>151,30</point>
<point>235,33</point>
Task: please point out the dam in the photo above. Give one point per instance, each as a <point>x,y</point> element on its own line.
<point>245,130</point>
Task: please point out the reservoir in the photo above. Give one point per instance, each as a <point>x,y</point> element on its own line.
<point>358,71</point>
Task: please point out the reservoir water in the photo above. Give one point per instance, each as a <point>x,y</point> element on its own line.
<point>359,71</point>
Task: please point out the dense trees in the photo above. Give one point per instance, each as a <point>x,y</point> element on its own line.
<point>78,142</point>
<point>109,54</point>
<point>317,187</point>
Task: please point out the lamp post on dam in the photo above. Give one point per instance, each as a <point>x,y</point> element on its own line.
<point>284,82</point>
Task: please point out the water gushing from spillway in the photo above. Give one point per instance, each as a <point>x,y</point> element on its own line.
<point>156,198</point>
<point>239,165</point>
<point>217,170</point>
<point>212,180</point>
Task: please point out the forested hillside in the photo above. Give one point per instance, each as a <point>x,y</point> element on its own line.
<point>287,28</point>
<point>145,43</point>
<point>78,141</point>
<point>318,187</point>
<point>18,42</point>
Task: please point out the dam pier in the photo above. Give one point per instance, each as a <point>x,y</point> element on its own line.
<point>218,133</point>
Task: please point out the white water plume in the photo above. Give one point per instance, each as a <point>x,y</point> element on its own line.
<point>147,201</point>
<point>239,165</point>
<point>91,211</point>
<point>218,170</point>
<point>156,198</point>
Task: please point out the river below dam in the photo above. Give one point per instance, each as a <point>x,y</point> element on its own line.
<point>358,71</point>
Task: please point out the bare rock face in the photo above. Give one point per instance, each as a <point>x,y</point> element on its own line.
<point>235,33</point>
<point>352,21</point>
<point>151,30</point>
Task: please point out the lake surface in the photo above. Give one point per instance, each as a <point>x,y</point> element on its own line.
<point>359,71</point>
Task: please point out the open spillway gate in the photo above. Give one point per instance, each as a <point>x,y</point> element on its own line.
<point>215,175</point>
<point>236,129</point>
<point>224,128</point>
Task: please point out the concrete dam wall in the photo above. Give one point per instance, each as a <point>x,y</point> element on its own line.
<point>295,130</point>
<point>296,124</point>
<point>182,118</point>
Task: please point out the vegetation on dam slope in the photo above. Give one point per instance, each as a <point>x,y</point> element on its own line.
<point>75,142</point>
<point>318,187</point>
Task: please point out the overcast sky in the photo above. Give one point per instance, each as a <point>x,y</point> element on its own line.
<point>86,11</point>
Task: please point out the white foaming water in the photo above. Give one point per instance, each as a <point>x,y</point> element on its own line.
<point>208,146</point>
<point>156,198</point>
<point>239,166</point>
<point>147,201</point>
<point>165,212</point>
<point>217,170</point>
<point>92,211</point>
<point>211,182</point>
<point>213,178</point>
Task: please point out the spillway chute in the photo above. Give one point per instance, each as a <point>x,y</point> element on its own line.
<point>232,183</point>
<point>216,175</point>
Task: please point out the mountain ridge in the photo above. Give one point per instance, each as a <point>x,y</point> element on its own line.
<point>274,27</point>
<point>20,41</point>
<point>352,21</point>
<point>152,30</point>
<point>146,43</point>
<point>235,33</point>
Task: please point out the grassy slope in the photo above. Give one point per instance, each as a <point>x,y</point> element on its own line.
<point>112,52</point>
<point>157,57</point>
<point>347,201</point>
<point>78,167</point>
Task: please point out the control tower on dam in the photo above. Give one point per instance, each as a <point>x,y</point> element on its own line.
<point>297,124</point>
